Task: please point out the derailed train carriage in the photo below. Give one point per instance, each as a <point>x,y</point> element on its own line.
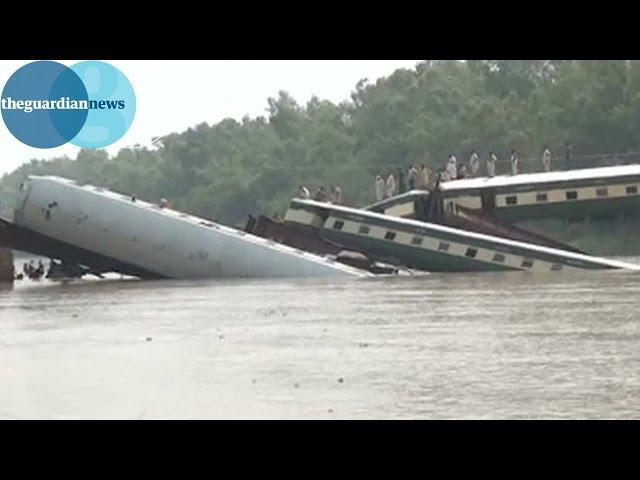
<point>104,231</point>
<point>591,193</point>
<point>596,193</point>
<point>469,225</point>
<point>433,247</point>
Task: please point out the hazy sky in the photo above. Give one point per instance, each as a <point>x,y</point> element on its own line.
<point>174,95</point>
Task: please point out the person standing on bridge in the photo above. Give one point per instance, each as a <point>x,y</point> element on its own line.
<point>514,162</point>
<point>568,156</point>
<point>474,163</point>
<point>412,177</point>
<point>491,164</point>
<point>335,195</point>
<point>380,188</point>
<point>391,186</point>
<point>303,192</point>
<point>423,177</point>
<point>452,167</point>
<point>546,159</point>
<point>321,195</point>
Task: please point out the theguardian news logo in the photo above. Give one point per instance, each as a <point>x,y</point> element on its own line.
<point>28,106</point>
<point>46,104</point>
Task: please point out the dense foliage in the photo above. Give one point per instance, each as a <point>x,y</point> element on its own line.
<point>228,170</point>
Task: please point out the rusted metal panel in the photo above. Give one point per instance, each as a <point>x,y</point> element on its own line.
<point>7,272</point>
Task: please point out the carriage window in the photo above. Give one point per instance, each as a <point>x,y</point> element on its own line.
<point>390,236</point>
<point>632,190</point>
<point>512,200</point>
<point>526,263</point>
<point>602,192</point>
<point>416,241</point>
<point>498,257</point>
<point>573,195</point>
<point>541,197</point>
<point>556,267</point>
<point>443,247</point>
<point>337,225</point>
<point>364,229</point>
<point>471,252</point>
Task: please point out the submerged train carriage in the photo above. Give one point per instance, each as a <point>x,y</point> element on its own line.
<point>433,247</point>
<point>157,240</point>
<point>595,193</point>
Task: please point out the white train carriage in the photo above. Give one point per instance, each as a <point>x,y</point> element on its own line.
<point>160,240</point>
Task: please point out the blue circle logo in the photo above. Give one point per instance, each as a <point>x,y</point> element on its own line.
<point>46,104</point>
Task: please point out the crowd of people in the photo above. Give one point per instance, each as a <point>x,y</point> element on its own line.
<point>472,169</point>
<point>389,184</point>
<point>30,270</point>
<point>394,180</point>
<point>333,194</point>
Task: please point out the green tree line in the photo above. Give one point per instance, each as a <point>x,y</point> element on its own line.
<point>233,168</point>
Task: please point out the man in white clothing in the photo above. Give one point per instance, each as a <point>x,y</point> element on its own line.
<point>491,164</point>
<point>423,178</point>
<point>303,192</point>
<point>391,186</point>
<point>474,161</point>
<point>452,168</point>
<point>514,162</point>
<point>380,188</point>
<point>546,159</point>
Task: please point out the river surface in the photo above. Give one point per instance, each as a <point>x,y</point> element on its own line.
<point>486,345</point>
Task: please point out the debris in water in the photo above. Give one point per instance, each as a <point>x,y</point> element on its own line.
<point>330,410</point>
<point>341,380</point>
<point>148,339</point>
<point>221,337</point>
<point>296,385</point>
<point>363,345</point>
<point>253,380</point>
